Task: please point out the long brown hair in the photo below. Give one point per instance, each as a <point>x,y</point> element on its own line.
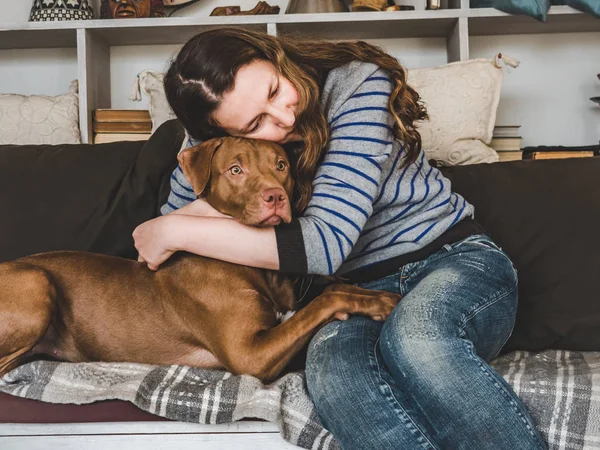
<point>205,69</point>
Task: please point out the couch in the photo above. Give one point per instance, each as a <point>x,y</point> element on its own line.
<point>544,214</point>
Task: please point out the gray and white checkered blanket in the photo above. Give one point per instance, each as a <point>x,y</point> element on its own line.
<point>561,389</point>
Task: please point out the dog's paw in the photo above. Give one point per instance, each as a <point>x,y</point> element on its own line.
<point>283,317</point>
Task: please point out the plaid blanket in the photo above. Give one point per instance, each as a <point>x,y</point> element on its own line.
<point>560,388</point>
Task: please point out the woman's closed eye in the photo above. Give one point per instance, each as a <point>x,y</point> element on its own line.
<point>275,91</point>
<point>256,127</point>
<point>272,95</point>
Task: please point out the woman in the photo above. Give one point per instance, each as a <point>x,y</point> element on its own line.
<point>371,209</point>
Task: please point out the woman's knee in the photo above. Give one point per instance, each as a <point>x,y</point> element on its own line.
<point>414,344</point>
<point>338,360</point>
<point>431,326</point>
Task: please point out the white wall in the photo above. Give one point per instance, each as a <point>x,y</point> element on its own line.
<point>548,94</point>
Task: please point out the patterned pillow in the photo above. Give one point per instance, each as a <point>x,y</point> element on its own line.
<point>40,119</point>
<point>461,100</point>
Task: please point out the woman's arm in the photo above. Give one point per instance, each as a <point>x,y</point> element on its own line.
<point>219,238</point>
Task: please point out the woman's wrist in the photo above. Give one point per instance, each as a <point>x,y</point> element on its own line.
<point>177,230</point>
<point>187,232</point>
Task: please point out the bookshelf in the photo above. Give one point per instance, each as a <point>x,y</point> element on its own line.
<point>93,39</point>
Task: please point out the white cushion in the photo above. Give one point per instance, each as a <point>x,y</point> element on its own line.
<point>39,119</point>
<point>461,99</point>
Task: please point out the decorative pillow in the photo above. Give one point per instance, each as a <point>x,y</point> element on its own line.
<point>590,6</point>
<point>40,119</point>
<point>87,197</point>
<point>534,8</point>
<point>545,215</point>
<point>152,84</point>
<point>461,100</point>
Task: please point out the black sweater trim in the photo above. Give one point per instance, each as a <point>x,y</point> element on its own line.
<point>290,248</point>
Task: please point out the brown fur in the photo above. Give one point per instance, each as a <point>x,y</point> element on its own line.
<point>196,311</point>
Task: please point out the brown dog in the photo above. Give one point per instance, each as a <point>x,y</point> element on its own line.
<point>195,311</point>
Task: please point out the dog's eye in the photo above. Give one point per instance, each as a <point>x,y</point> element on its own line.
<point>235,170</point>
<point>281,165</point>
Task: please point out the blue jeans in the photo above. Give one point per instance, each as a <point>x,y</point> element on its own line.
<point>420,380</point>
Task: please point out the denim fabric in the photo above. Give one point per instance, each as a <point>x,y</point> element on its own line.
<point>420,380</point>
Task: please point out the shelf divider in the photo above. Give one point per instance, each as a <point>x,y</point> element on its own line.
<point>457,44</point>
<point>93,56</point>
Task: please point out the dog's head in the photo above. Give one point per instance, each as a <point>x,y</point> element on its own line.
<point>247,179</point>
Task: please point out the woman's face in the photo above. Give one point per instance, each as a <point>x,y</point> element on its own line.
<point>262,105</point>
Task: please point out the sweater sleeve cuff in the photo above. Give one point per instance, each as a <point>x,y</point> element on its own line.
<point>290,248</point>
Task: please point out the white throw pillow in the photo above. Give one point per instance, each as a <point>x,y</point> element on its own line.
<point>461,99</point>
<point>152,84</point>
<point>40,119</point>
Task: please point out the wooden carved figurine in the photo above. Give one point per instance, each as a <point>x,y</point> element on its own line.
<point>129,9</point>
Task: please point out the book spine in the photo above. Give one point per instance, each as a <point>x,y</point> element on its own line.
<point>122,127</point>
<point>107,115</point>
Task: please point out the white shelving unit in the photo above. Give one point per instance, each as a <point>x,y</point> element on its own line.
<point>94,38</point>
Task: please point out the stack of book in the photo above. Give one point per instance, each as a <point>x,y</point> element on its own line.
<point>113,125</point>
<point>507,142</point>
<point>559,152</point>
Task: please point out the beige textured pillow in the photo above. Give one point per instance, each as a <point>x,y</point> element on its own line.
<point>461,99</point>
<point>39,119</point>
<point>152,84</point>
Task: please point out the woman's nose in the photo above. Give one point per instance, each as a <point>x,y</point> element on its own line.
<point>283,115</point>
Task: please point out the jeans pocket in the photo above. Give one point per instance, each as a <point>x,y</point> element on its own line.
<point>484,241</point>
<point>479,239</point>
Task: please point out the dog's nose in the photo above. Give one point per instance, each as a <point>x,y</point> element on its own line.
<point>273,195</point>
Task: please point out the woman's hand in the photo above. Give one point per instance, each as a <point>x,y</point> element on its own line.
<point>154,241</point>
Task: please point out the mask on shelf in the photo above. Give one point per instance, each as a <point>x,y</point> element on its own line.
<point>131,9</point>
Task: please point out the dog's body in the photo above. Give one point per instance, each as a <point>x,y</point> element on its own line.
<point>195,311</point>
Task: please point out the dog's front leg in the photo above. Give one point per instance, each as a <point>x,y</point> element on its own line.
<point>264,353</point>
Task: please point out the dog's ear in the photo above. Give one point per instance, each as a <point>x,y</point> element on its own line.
<point>196,163</point>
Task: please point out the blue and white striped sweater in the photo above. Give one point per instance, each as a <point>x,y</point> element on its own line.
<point>364,208</point>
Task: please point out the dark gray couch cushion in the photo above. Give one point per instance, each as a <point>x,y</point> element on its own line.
<point>546,216</point>
<point>83,197</point>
